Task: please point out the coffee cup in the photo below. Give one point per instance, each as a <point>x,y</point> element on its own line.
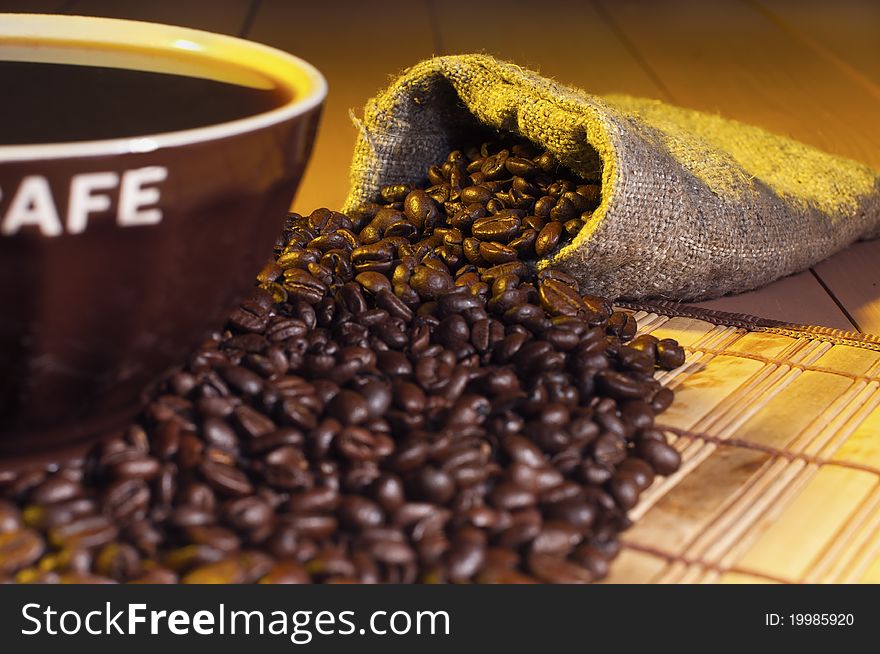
<point>145,171</point>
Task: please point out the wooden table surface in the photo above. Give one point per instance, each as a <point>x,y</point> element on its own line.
<point>809,69</point>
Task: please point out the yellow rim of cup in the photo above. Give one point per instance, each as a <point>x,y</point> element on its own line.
<point>157,48</point>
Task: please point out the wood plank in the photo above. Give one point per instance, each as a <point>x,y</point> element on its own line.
<point>225,17</point>
<point>358,47</point>
<point>728,58</point>
<point>797,298</point>
<point>853,275</point>
<point>846,32</point>
<point>527,33</point>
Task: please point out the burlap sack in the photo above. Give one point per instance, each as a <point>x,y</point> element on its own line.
<point>693,205</point>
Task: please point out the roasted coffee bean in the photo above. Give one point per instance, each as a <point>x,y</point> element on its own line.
<point>548,238</point>
<point>625,491</point>
<point>500,228</point>
<point>465,559</point>
<point>227,571</point>
<point>314,500</point>
<point>214,536</point>
<point>523,450</point>
<point>521,167</point>
<point>556,538</point>
<point>10,517</point>
<point>156,576</point>
<point>645,343</point>
<point>403,398</point>
<point>620,324</point>
<point>664,458</point>
<point>373,282</point>
<point>247,321</point>
<point>303,286</point>
<point>662,400</point>
<point>247,513</point>
<point>435,485</point>
<point>135,466</point>
<point>119,561</point>
<point>393,364</point>
<point>395,192</point>
<point>314,526</point>
<point>197,495</point>
<point>560,299</point>
<point>573,226</point>
<point>56,515</point>
<point>393,305</point>
<point>357,444</point>
<point>494,167</point>
<point>220,434</point>
<point>430,283</point>
<point>376,256</point>
<point>670,355</point>
<point>592,193</point>
<point>638,413</point>
<point>360,513</point>
<point>554,569</point>
<point>242,379</point>
<point>408,396</point>
<point>349,408</point>
<point>188,557</point>
<point>473,194</point>
<point>286,572</point>
<point>84,532</point>
<point>251,423</point>
<point>19,549</point>
<point>286,469</point>
<point>619,385</point>
<point>421,209</point>
<point>494,253</point>
<point>640,472</point>
<point>225,479</point>
<point>126,499</point>
<point>56,489</point>
<point>633,359</point>
<point>377,395</point>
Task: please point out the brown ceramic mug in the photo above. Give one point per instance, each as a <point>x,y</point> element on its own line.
<point>118,254</point>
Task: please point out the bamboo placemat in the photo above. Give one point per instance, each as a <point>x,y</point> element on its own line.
<point>779,430</point>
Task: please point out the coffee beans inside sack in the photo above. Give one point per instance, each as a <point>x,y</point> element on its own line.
<point>404,398</point>
<point>693,205</point>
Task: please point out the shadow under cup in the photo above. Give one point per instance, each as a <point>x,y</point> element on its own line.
<point>118,252</point>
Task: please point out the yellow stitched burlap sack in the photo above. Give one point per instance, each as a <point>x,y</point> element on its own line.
<point>693,205</point>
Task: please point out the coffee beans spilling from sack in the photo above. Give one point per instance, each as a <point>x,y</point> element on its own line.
<point>404,399</point>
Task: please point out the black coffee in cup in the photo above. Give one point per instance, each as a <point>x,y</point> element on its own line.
<point>59,102</point>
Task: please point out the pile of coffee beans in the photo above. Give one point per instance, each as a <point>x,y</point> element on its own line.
<point>404,398</point>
